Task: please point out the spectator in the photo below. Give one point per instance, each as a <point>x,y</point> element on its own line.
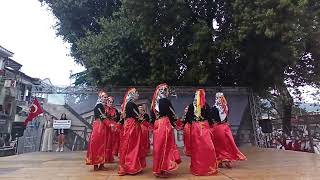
<point>61,133</point>
<point>48,134</point>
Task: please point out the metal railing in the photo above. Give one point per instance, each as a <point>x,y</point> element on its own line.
<point>78,116</point>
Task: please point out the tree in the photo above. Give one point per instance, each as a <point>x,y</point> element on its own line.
<point>115,55</point>
<point>263,44</point>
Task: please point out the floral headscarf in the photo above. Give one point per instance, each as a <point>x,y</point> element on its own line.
<point>199,102</point>
<point>129,96</point>
<point>222,106</point>
<point>159,93</point>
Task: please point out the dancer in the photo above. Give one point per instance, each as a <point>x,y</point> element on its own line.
<point>112,117</point>
<point>166,156</point>
<point>96,154</point>
<point>145,142</point>
<point>203,156</point>
<point>186,134</point>
<point>226,149</point>
<point>131,160</point>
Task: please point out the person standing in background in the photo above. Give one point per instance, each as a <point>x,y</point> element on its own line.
<point>61,133</point>
<point>48,134</point>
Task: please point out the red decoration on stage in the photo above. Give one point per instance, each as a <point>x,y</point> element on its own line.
<point>166,156</point>
<point>226,148</point>
<point>131,160</point>
<point>203,155</point>
<point>35,110</point>
<point>187,139</point>
<point>145,142</point>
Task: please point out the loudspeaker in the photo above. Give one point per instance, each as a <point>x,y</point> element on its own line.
<point>17,129</point>
<point>265,125</point>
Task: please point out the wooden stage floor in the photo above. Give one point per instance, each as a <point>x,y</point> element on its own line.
<point>261,164</point>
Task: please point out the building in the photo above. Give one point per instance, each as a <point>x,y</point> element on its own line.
<point>15,87</point>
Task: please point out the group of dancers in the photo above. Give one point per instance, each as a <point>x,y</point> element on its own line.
<point>207,136</point>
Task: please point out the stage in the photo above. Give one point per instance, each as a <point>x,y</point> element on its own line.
<point>261,164</point>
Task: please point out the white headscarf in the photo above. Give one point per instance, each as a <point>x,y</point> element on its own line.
<point>129,96</point>
<point>222,106</point>
<point>160,93</point>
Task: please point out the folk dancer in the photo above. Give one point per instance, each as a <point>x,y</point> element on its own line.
<point>113,137</point>
<point>131,160</point>
<point>145,125</point>
<point>166,156</point>
<point>96,154</point>
<point>203,155</point>
<point>226,149</point>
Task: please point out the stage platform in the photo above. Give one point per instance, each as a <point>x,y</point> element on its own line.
<point>261,164</point>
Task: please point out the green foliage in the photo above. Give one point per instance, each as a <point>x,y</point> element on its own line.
<point>115,55</point>
<point>256,43</point>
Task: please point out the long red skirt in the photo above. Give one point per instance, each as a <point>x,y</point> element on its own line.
<point>226,148</point>
<point>109,155</point>
<point>166,156</point>
<point>131,160</point>
<point>145,143</point>
<point>203,155</point>
<point>116,139</point>
<point>96,153</point>
<point>187,139</point>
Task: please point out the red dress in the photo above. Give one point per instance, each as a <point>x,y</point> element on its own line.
<point>111,113</point>
<point>203,155</point>
<point>116,139</point>
<point>187,139</point>
<point>145,143</point>
<point>166,156</point>
<point>131,160</point>
<point>226,149</point>
<point>96,153</point>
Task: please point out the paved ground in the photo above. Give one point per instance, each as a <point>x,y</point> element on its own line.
<point>261,164</point>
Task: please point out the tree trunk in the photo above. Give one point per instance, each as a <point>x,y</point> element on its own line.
<point>287,103</point>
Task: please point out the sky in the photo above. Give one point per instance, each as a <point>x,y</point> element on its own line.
<point>26,29</point>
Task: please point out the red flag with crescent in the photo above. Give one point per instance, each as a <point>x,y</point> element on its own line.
<point>34,111</point>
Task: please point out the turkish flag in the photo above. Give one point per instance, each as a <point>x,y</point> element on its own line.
<point>35,110</point>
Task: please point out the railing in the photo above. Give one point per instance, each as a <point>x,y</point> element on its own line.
<point>76,141</point>
<point>78,116</point>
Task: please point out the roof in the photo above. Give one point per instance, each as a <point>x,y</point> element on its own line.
<point>5,52</point>
<point>24,76</point>
<point>13,64</point>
